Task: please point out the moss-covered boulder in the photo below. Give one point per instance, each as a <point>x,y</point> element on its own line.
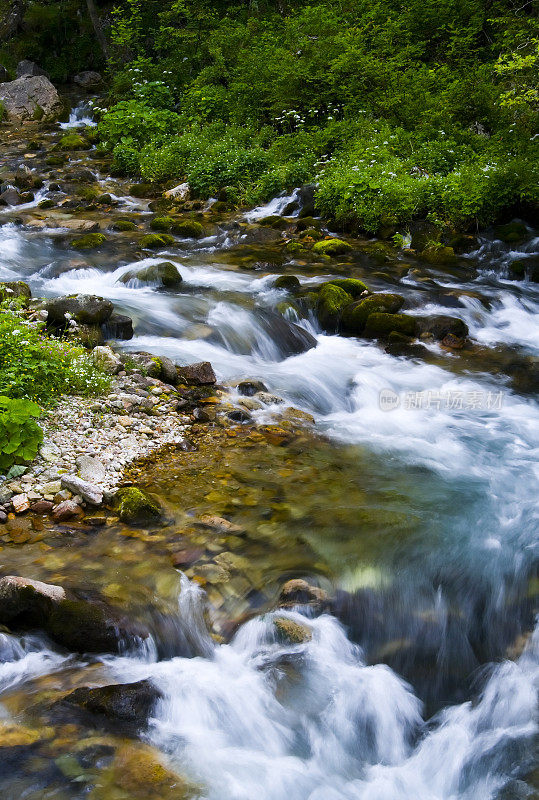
<point>353,286</point>
<point>89,241</point>
<point>380,325</point>
<point>295,248</point>
<point>525,269</point>
<point>73,141</point>
<point>138,773</point>
<point>155,241</point>
<point>187,229</point>
<point>288,282</point>
<point>288,631</point>
<point>162,224</point>
<point>311,233</point>
<point>273,221</point>
<point>142,190</point>
<point>135,507</point>
<point>512,232</point>
<point>15,290</point>
<point>45,204</point>
<point>330,303</point>
<point>165,274</point>
<point>439,255</point>
<point>122,225</point>
<point>331,247</point>
<point>354,316</point>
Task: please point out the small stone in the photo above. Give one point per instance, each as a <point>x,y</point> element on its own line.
<point>66,510</point>
<point>20,503</point>
<point>41,507</point>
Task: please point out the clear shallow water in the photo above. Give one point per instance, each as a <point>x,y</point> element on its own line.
<point>319,721</point>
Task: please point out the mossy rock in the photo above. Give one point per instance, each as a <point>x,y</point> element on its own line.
<point>166,273</point>
<point>331,247</point>
<point>273,221</point>
<point>439,255</point>
<point>305,223</point>
<point>162,224</point>
<point>73,141</point>
<point>90,336</point>
<point>135,507</point>
<point>330,304</point>
<point>354,317</point>
<point>525,268</point>
<point>441,325</point>
<point>106,199</point>
<point>44,204</point>
<point>288,282</point>
<point>154,241</point>
<point>290,632</point>
<point>380,325</point>
<point>141,190</point>
<point>55,161</point>
<point>11,290</point>
<point>353,286</point>
<point>123,225</point>
<point>188,229</point>
<point>89,241</point>
<point>137,773</point>
<point>89,192</point>
<point>311,233</point>
<point>512,232</point>
<point>295,247</point>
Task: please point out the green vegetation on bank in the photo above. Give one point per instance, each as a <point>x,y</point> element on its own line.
<point>34,370</point>
<point>397,112</point>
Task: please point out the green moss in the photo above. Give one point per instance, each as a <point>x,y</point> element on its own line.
<point>55,161</point>
<point>295,247</point>
<point>72,141</point>
<point>288,282</point>
<point>89,192</point>
<point>161,224</point>
<point>46,204</point>
<point>38,113</point>
<point>165,273</point>
<point>355,316</point>
<point>15,290</point>
<point>439,255</point>
<point>141,190</point>
<point>511,232</point>
<point>353,286</point>
<point>154,241</point>
<point>136,507</point>
<point>382,324</point>
<point>331,247</point>
<point>330,304</point>
<point>123,225</point>
<point>311,233</point>
<point>189,229</point>
<point>89,241</point>
<point>273,222</point>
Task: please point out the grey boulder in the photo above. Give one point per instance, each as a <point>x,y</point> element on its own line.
<point>30,97</point>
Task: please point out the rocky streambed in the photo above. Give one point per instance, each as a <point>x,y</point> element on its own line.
<point>276,556</point>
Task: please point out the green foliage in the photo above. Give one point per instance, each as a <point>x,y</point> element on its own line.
<point>20,435</point>
<point>34,366</point>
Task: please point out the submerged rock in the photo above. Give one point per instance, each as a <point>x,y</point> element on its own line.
<point>290,632</point>
<point>136,507</point>
<point>74,622</point>
<point>299,592</point>
<point>126,707</point>
<point>441,326</point>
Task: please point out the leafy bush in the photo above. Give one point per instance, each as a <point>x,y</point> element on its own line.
<point>36,367</point>
<point>20,435</point>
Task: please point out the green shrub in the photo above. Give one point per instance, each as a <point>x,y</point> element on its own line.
<point>20,435</point>
<point>34,366</point>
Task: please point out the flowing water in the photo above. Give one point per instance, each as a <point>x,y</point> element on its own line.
<point>417,509</point>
